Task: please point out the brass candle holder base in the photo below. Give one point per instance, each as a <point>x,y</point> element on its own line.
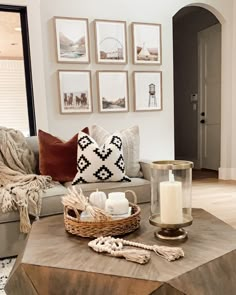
<point>171,231</point>
<point>171,234</point>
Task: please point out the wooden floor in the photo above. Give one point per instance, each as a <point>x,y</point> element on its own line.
<point>216,196</point>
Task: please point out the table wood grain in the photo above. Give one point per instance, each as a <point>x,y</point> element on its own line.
<point>55,262</point>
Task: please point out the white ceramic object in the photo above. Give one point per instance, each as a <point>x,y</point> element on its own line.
<point>120,216</point>
<point>117,203</point>
<point>98,199</point>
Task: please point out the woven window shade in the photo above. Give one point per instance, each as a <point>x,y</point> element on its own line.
<point>13,103</point>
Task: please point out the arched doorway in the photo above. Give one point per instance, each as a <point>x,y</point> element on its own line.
<point>197,86</point>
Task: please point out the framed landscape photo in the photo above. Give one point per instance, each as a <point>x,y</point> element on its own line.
<point>75,91</point>
<point>72,39</point>
<point>146,43</point>
<point>113,91</point>
<point>147,91</point>
<point>111,47</point>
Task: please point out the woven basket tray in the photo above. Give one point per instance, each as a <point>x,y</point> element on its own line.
<point>91,229</point>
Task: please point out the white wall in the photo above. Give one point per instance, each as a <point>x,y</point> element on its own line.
<point>157,135</point>
<point>156,128</point>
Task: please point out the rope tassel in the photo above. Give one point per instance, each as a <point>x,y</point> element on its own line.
<point>134,255</point>
<point>115,247</point>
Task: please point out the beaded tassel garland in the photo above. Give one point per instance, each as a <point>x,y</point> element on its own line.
<point>115,247</point>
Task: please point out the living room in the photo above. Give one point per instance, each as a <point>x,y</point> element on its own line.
<point>156,128</point>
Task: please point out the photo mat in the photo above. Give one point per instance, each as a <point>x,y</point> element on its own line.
<point>111,47</point>
<point>113,91</point>
<point>148,91</point>
<point>146,43</point>
<point>75,91</point>
<point>72,40</point>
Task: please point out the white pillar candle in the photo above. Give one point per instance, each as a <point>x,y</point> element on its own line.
<point>171,201</point>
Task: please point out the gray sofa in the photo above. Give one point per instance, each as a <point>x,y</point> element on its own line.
<point>12,241</point>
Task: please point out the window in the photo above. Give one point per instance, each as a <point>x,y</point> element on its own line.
<point>16,91</point>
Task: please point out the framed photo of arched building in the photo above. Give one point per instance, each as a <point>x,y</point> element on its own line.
<point>147,91</point>
<point>111,44</point>
<point>146,43</point>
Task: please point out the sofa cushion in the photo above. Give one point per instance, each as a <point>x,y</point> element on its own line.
<point>51,204</point>
<point>9,216</point>
<point>140,186</point>
<point>51,198</point>
<point>57,158</point>
<point>33,144</point>
<point>130,140</point>
<point>100,163</point>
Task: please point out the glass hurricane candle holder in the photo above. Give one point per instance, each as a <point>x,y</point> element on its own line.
<point>171,198</point>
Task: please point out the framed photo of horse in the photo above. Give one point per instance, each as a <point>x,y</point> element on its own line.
<point>72,39</point>
<point>111,44</point>
<point>146,43</point>
<point>75,91</point>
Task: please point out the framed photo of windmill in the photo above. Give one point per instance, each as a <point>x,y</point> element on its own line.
<point>146,43</point>
<point>72,39</point>
<point>113,91</point>
<point>147,91</point>
<point>111,46</point>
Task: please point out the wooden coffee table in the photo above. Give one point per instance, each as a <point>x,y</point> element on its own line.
<point>55,262</point>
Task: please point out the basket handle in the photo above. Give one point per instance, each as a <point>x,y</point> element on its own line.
<point>67,208</point>
<point>133,194</point>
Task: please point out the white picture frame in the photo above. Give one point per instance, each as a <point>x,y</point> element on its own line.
<point>147,43</point>
<point>75,91</point>
<point>111,42</point>
<point>113,92</point>
<point>147,91</point>
<point>72,40</point>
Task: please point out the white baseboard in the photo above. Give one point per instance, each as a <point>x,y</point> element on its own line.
<point>227,173</point>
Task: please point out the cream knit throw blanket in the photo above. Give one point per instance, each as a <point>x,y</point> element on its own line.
<point>20,188</point>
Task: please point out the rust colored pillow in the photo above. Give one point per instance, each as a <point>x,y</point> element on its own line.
<point>57,158</point>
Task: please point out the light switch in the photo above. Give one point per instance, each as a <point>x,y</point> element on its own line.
<point>194,97</point>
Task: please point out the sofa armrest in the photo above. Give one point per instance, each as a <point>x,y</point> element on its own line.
<point>146,169</point>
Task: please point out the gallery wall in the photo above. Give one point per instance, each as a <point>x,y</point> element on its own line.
<point>156,128</point>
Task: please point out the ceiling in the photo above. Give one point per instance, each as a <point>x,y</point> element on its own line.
<point>10,39</point>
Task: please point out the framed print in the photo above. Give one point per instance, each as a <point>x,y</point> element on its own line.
<point>146,43</point>
<point>72,39</point>
<point>148,91</point>
<point>75,91</point>
<point>113,91</point>
<point>111,45</point>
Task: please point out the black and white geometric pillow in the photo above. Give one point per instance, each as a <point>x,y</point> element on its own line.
<point>99,163</point>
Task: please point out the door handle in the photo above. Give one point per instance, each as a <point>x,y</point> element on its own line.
<point>202,121</point>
